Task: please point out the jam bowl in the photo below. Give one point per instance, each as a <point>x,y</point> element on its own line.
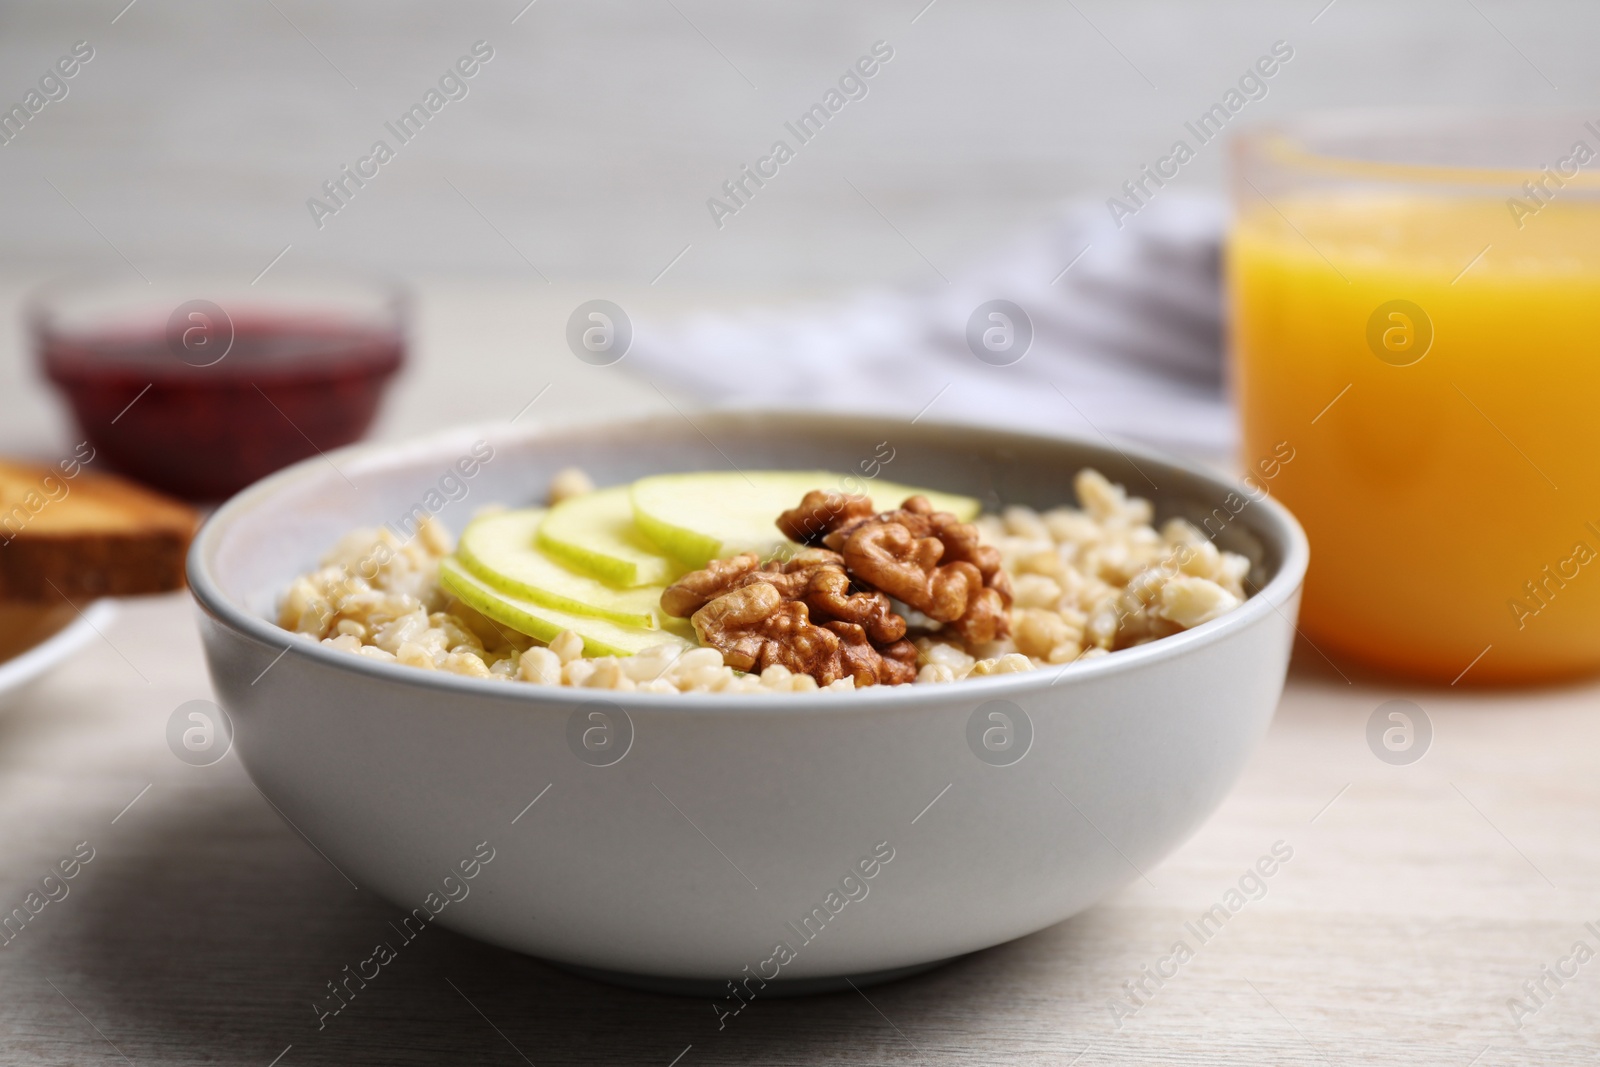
<point>200,386</point>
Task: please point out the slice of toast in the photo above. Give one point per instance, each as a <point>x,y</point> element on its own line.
<point>87,535</point>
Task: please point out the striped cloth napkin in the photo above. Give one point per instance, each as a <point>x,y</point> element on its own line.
<point>1126,328</point>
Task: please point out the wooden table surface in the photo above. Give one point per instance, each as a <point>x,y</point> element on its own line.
<point>1418,901</point>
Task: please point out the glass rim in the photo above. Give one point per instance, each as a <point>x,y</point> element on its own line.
<point>47,302</point>
<point>1288,143</point>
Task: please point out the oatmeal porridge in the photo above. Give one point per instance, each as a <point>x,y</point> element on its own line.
<point>684,583</point>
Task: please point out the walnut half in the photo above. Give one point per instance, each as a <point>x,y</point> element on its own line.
<point>826,612</point>
<point>802,614</point>
<point>927,559</point>
<point>820,513</point>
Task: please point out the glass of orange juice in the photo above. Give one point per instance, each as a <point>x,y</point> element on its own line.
<point>1415,309</point>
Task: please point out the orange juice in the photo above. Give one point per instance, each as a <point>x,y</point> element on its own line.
<point>1433,359</point>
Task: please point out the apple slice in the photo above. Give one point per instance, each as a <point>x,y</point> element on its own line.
<point>595,534</point>
<point>500,550</point>
<point>697,518</point>
<point>601,637</point>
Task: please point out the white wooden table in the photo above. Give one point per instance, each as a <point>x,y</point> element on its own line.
<point>1417,902</point>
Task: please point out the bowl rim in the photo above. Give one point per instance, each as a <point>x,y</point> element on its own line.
<point>1271,598</point>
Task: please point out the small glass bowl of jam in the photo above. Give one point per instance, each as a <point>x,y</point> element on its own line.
<point>199,386</point>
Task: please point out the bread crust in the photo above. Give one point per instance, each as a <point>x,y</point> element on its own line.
<point>87,535</point>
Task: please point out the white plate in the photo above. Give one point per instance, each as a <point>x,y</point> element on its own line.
<point>18,672</point>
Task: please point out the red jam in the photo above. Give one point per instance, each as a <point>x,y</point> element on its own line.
<point>286,389</point>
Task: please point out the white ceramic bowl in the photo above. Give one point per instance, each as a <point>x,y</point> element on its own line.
<point>728,820</point>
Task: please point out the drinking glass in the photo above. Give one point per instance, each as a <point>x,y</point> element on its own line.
<point>1415,349</point>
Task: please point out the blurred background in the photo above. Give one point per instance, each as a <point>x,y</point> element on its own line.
<point>580,162</point>
<point>594,137</point>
